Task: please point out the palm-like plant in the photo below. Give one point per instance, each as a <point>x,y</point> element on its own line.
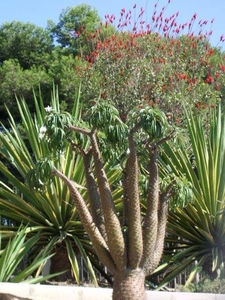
<point>131,247</point>
<point>50,211</point>
<point>197,231</point>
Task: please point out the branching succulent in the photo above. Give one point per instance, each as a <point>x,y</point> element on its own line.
<point>130,247</point>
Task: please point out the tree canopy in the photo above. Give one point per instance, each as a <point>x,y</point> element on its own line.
<point>127,65</point>
<point>29,44</point>
<point>73,23</point>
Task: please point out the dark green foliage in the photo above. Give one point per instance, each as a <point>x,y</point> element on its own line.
<point>29,44</point>
<point>17,82</point>
<point>74,23</point>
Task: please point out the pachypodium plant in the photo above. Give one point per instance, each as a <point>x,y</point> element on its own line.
<point>157,61</point>
<point>130,246</point>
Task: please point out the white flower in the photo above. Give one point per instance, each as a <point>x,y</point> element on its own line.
<point>41,135</point>
<point>43,129</point>
<point>48,108</point>
<point>128,151</point>
<point>42,132</point>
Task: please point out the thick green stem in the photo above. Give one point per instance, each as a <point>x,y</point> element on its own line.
<point>163,214</point>
<point>151,263</point>
<point>125,199</point>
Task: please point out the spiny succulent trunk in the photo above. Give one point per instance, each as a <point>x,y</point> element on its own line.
<point>129,285</point>
<point>115,239</point>
<point>135,244</point>
<point>98,242</point>
<point>153,260</point>
<point>94,197</point>
<point>150,226</point>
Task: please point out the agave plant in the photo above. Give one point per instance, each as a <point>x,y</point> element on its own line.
<point>50,211</point>
<point>196,232</point>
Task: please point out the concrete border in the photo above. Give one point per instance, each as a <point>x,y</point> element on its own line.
<point>52,292</point>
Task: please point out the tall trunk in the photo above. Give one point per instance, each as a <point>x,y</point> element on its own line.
<point>135,243</point>
<point>150,225</point>
<point>153,260</point>
<point>129,285</point>
<point>94,234</point>
<point>114,232</point>
<point>60,262</point>
<point>94,197</point>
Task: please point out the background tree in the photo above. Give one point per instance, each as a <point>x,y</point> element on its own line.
<point>24,58</point>
<point>163,63</point>
<point>17,82</point>
<point>73,23</point>
<point>29,44</point>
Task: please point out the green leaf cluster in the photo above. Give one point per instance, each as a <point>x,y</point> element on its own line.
<point>105,117</point>
<point>153,121</point>
<point>12,255</point>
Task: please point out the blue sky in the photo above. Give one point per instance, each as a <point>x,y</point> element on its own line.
<point>39,11</point>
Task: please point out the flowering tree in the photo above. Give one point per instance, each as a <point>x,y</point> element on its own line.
<point>131,246</point>
<point>160,63</point>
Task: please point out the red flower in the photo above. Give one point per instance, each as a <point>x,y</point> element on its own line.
<point>222,38</point>
<point>197,105</point>
<point>182,76</point>
<point>194,16</point>
<point>209,80</point>
<point>217,74</point>
<point>222,67</point>
<point>210,52</point>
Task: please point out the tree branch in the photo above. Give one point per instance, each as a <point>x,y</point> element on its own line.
<point>93,193</point>
<point>112,224</point>
<point>151,264</point>
<point>80,130</point>
<point>135,243</point>
<point>151,218</point>
<point>95,236</point>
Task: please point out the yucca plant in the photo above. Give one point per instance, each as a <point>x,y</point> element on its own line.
<point>196,232</point>
<point>50,211</point>
<point>13,254</point>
